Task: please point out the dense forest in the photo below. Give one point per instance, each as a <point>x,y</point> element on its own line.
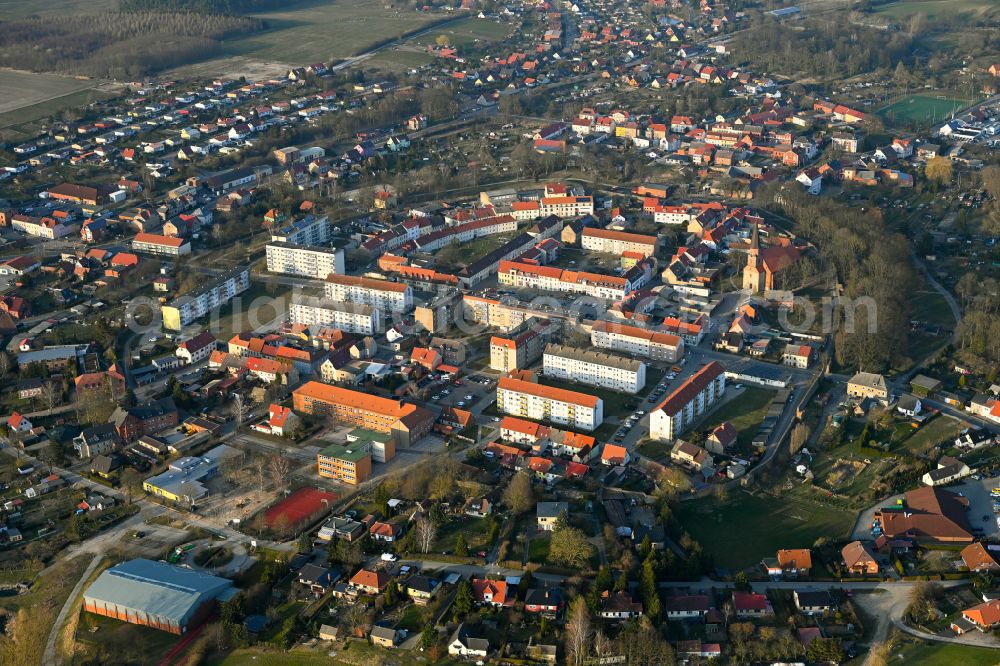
<point>870,262</point>
<point>202,6</point>
<point>116,45</point>
<point>821,48</point>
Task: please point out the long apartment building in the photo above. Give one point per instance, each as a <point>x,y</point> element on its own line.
<point>464,233</point>
<point>508,313</point>
<point>381,294</point>
<point>688,403</point>
<point>692,332</point>
<point>594,368</point>
<point>655,345</point>
<point>166,246</point>
<point>530,400</point>
<point>218,291</point>
<point>549,278</point>
<point>618,242</point>
<point>307,261</point>
<point>522,347</point>
<point>559,206</point>
<point>348,317</point>
<point>309,230</point>
<point>406,422</point>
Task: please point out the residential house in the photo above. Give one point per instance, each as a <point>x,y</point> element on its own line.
<point>492,592</point>
<point>618,606</point>
<point>422,589</point>
<point>858,559</point>
<point>386,637</point>
<point>544,600</point>
<point>463,644</point>
<point>978,559</point>
<point>371,582</point>
<point>813,602</point>
<point>751,604</point>
<point>548,514</point>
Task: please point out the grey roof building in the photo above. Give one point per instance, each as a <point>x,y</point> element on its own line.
<point>156,594</point>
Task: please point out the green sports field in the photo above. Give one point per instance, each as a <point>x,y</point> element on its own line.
<point>742,529</point>
<point>923,108</point>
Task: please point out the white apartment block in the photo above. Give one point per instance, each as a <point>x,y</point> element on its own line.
<point>348,317</point>
<point>307,261</point>
<point>43,227</point>
<point>550,278</point>
<point>544,403</point>
<point>688,403</point>
<point>656,345</point>
<point>381,294</point>
<point>594,368</point>
<point>673,214</point>
<point>167,246</point>
<point>214,294</point>
<point>558,206</point>
<point>618,242</point>
<point>310,230</point>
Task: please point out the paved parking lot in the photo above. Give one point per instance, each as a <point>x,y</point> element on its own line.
<point>980,513</point>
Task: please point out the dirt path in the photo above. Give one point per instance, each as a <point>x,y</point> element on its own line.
<point>50,657</point>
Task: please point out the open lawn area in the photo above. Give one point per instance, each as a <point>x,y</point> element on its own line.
<point>735,531</point>
<point>467,32</point>
<point>923,108</point>
<point>326,30</point>
<point>944,654</point>
<point>252,309</point>
<point>933,8</point>
<point>929,305</point>
<point>615,403</point>
<point>475,531</point>
<point>941,429</point>
<point>745,411</point>
<point>142,645</point>
<point>10,9</point>
<point>356,653</point>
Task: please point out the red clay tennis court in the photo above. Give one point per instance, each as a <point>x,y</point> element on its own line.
<point>301,505</point>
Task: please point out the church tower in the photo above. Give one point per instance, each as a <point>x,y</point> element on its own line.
<point>753,272</point>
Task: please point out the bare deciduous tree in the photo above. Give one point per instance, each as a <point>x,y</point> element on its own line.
<point>259,465</point>
<point>578,632</point>
<point>278,467</point>
<point>426,533</point>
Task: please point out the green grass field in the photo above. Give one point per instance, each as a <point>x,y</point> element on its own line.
<point>745,412</point>
<point>326,30</point>
<point>945,654</point>
<point>922,108</point>
<point>941,429</point>
<point>467,32</point>
<point>738,535</point>
<point>929,305</point>
<point>932,8</point>
<point>11,9</point>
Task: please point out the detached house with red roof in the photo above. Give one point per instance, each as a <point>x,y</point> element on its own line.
<point>751,604</point>
<point>371,582</point>
<point>492,592</point>
<point>18,423</point>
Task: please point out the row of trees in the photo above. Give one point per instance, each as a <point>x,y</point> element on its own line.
<point>202,6</point>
